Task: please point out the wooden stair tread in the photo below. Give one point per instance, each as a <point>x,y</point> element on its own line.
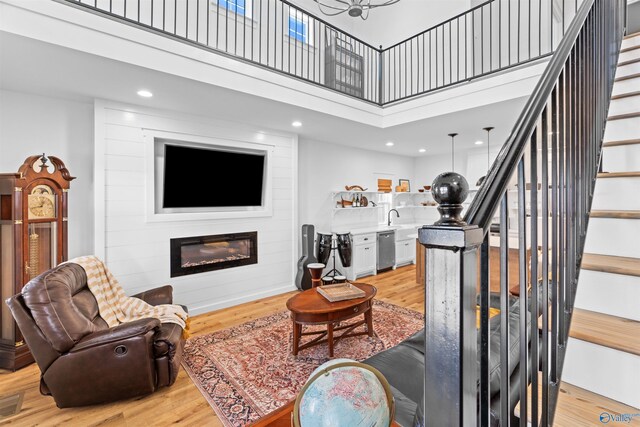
<point>606,330</point>
<point>578,407</point>
<point>624,116</point>
<point>621,141</point>
<point>625,95</point>
<point>619,174</point>
<point>629,49</point>
<point>611,264</point>
<point>632,35</point>
<point>629,77</point>
<point>615,214</point>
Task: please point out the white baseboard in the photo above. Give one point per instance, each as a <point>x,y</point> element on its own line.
<point>194,311</point>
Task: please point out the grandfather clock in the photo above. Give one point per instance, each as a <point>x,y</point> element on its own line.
<point>33,239</point>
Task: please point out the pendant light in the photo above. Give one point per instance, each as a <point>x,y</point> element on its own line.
<point>488,129</point>
<point>453,145</point>
<point>482,178</point>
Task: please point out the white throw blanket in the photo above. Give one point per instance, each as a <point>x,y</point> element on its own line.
<point>115,307</point>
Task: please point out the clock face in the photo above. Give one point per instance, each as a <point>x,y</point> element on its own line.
<point>42,203</point>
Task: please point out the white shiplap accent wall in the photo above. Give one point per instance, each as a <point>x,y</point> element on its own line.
<point>137,251</point>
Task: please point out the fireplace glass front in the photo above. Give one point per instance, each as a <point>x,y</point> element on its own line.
<point>206,253</point>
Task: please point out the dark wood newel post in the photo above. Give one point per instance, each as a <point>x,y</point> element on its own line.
<point>451,371</point>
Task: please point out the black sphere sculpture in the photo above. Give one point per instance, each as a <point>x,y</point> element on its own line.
<point>450,190</point>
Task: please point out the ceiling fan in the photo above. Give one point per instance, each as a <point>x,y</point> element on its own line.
<point>355,8</point>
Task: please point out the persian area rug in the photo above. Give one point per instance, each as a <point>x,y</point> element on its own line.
<point>248,371</point>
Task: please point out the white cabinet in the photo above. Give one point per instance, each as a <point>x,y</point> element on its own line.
<point>363,239</point>
<point>364,258</point>
<point>406,246</point>
<point>405,252</point>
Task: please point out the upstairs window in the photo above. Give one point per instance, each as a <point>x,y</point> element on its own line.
<point>239,7</point>
<point>299,29</point>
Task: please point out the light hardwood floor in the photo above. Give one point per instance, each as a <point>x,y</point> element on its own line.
<point>181,403</point>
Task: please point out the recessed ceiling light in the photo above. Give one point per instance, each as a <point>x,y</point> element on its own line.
<point>422,150</point>
<point>145,93</point>
<point>389,144</point>
<point>296,124</point>
<point>479,142</point>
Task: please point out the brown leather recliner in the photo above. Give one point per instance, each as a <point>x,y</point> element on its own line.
<point>83,361</point>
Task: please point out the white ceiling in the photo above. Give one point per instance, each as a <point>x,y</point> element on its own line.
<point>31,66</point>
<point>391,24</point>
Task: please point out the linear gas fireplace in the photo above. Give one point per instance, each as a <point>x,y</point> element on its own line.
<point>190,255</point>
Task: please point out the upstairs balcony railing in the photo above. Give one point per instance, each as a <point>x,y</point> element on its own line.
<point>273,34</point>
<point>491,37</point>
<point>484,346</point>
<point>277,35</point>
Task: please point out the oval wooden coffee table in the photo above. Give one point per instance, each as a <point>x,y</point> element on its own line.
<point>311,308</point>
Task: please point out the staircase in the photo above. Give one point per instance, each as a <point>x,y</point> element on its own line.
<point>602,363</point>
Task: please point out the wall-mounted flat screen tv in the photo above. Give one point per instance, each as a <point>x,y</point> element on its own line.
<point>211,178</point>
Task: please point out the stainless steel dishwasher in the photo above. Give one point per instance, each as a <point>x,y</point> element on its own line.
<point>386,250</point>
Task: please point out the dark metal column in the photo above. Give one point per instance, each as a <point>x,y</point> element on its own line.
<point>451,358</point>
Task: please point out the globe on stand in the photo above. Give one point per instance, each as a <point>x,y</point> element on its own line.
<point>343,392</point>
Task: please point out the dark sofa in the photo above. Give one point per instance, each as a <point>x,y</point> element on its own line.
<point>403,367</point>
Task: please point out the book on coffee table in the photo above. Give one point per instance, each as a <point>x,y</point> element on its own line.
<point>340,292</point>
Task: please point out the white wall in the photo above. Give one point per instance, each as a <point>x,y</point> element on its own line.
<point>31,124</point>
<point>326,167</point>
<point>472,164</point>
<point>137,251</point>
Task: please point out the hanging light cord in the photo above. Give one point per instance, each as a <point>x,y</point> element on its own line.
<point>453,145</point>
<point>488,129</point>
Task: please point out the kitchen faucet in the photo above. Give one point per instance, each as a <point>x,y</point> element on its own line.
<point>389,216</point>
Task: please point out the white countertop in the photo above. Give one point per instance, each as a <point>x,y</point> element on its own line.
<point>377,228</point>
